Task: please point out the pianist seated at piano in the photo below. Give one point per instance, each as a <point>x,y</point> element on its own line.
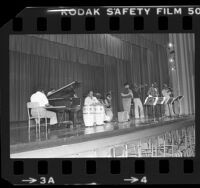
<point>90,99</point>
<point>43,102</point>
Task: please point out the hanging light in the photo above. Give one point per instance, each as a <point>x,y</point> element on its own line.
<point>171,60</point>
<point>170,45</point>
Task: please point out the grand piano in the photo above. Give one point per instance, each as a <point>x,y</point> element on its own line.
<point>64,100</point>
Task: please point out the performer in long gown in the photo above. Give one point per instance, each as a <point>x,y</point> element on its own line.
<point>99,98</point>
<point>153,92</point>
<point>166,92</point>
<point>107,118</point>
<point>127,96</point>
<point>108,106</point>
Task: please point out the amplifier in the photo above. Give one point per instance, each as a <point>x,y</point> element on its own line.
<point>123,116</point>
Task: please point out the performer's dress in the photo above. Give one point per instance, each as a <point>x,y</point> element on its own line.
<point>153,110</point>
<point>138,107</point>
<point>168,109</point>
<point>126,101</point>
<point>108,111</point>
<point>126,104</point>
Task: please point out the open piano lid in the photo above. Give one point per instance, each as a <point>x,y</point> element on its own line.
<point>65,90</point>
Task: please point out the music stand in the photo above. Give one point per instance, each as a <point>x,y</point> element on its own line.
<point>151,101</point>
<point>161,101</point>
<point>178,98</point>
<point>169,100</point>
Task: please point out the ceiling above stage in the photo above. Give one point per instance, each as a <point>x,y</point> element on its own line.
<point>158,38</point>
<point>89,48</point>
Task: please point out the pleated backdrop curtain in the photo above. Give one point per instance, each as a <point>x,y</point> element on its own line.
<point>183,76</point>
<point>101,62</point>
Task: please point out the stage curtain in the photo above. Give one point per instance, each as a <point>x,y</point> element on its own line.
<point>28,72</point>
<point>101,62</point>
<point>183,75</point>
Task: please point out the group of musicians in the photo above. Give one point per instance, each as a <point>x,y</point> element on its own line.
<point>107,103</point>
<point>129,95</point>
<point>134,94</point>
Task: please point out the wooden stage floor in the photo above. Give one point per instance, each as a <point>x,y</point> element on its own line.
<point>81,134</point>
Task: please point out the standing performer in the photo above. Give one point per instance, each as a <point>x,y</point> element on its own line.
<point>127,95</point>
<point>108,106</point>
<point>139,111</point>
<point>99,98</point>
<point>108,101</point>
<point>153,91</point>
<point>90,99</point>
<point>167,92</point>
<point>43,102</point>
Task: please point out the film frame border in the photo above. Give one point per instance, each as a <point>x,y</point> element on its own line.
<point>167,169</point>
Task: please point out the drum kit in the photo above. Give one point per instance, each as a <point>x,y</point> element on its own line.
<point>96,114</point>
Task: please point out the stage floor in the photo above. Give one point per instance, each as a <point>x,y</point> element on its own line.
<point>19,137</point>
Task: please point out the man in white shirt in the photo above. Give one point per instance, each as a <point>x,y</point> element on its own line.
<point>43,102</point>
<point>90,99</point>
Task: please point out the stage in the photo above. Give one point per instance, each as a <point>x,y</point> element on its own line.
<point>68,142</point>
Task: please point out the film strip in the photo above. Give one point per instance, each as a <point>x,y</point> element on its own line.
<point>115,169</point>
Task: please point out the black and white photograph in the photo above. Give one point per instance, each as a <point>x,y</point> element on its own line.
<point>102,95</point>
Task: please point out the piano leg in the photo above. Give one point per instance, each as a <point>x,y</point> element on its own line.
<point>73,117</point>
<point>61,117</point>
